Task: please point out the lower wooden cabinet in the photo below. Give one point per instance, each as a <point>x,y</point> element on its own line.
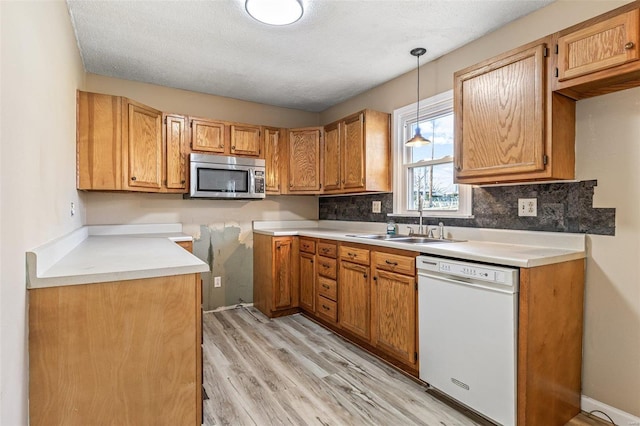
<point>354,297</point>
<point>307,282</point>
<point>124,352</point>
<point>275,274</point>
<point>393,314</point>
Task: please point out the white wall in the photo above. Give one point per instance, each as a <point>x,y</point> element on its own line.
<point>40,72</point>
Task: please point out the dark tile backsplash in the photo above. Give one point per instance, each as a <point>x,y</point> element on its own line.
<point>562,207</point>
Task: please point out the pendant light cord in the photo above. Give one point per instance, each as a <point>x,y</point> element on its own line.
<point>418,96</point>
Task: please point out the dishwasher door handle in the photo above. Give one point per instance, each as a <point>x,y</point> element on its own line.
<point>477,284</point>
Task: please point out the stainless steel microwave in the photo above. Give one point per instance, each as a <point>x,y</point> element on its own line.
<point>224,177</point>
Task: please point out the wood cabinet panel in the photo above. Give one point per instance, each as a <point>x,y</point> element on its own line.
<point>499,119</point>
<point>354,254</point>
<point>175,169</point>
<point>354,304</point>
<point>142,140</point>
<point>327,309</point>
<point>245,140</point>
<point>99,142</point>
<point>600,46</point>
<point>187,245</point>
<point>307,245</point>
<point>208,135</point>
<point>327,267</point>
<point>304,160</point>
<point>394,263</point>
<point>353,148</point>
<point>273,159</point>
<point>328,288</point>
<point>393,315</point>
<point>91,356</point>
<point>328,249</point>
<point>332,157</point>
<point>307,282</point>
<point>283,284</point>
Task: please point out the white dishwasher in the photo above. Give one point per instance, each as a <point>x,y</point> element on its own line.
<point>468,324</point>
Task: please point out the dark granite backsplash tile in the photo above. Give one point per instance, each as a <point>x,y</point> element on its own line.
<point>562,207</point>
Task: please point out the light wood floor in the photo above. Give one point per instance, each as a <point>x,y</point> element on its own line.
<point>292,371</point>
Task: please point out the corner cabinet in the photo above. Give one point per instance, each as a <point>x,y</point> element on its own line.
<point>509,126</point>
<point>275,274</point>
<point>122,146</point>
<point>357,153</point>
<point>304,160</point>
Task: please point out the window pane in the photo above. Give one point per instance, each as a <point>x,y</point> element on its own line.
<point>440,132</point>
<point>434,184</point>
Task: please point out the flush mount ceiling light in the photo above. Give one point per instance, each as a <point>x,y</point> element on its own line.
<point>417,139</point>
<point>274,12</point>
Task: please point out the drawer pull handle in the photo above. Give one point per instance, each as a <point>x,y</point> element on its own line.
<point>326,308</point>
<point>629,45</point>
<point>388,262</point>
<point>325,250</point>
<point>326,286</point>
<point>324,265</point>
<point>351,254</point>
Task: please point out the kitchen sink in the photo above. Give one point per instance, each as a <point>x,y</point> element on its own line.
<point>411,239</point>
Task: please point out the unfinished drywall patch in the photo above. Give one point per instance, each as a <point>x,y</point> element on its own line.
<point>227,249</point>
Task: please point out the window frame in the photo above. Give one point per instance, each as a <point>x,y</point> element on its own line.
<point>403,119</point>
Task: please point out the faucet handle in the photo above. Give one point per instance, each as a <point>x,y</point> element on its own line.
<point>410,230</point>
<point>441,225</point>
<point>430,232</point>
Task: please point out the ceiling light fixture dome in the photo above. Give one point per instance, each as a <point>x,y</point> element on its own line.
<point>418,139</point>
<point>274,12</point>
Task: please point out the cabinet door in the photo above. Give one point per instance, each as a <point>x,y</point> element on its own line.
<point>245,140</point>
<point>175,153</point>
<point>99,142</point>
<point>283,280</point>
<point>604,45</point>
<point>332,178</point>
<point>354,299</point>
<point>272,159</point>
<point>393,315</point>
<point>142,142</point>
<point>207,135</point>
<point>307,282</point>
<point>353,153</point>
<point>499,116</point>
<point>304,160</point>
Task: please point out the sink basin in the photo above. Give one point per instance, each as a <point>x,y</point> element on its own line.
<point>404,238</point>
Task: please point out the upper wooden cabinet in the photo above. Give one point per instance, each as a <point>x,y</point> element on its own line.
<point>357,153</point>
<point>274,156</point>
<point>304,160</point>
<point>121,146</point>
<point>509,126</point>
<point>175,140</point>
<point>222,137</point>
<point>600,55</point>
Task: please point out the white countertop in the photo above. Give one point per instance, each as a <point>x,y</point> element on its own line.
<point>490,246</point>
<point>111,253</point>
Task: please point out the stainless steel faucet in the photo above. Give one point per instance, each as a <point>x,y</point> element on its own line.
<point>420,211</point>
<point>441,225</point>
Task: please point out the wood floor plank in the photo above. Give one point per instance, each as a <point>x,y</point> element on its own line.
<point>290,370</point>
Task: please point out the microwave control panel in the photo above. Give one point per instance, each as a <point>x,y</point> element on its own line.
<point>259,182</point>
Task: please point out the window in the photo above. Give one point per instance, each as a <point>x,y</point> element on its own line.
<point>424,175</point>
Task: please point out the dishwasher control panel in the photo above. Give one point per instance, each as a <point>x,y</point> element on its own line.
<point>474,271</point>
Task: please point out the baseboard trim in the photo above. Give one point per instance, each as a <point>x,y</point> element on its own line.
<point>619,417</point>
<point>226,308</point>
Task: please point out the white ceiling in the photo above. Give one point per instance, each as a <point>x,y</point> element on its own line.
<point>338,49</point>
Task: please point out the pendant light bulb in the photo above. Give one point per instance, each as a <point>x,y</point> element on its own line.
<point>418,139</point>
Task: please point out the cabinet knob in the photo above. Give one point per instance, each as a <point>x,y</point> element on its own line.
<point>629,45</point>
<point>183,181</point>
<point>233,147</point>
<point>458,168</point>
<point>134,178</point>
<point>365,275</point>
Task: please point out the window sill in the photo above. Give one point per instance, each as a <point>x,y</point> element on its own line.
<point>440,214</point>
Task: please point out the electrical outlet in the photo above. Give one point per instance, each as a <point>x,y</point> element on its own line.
<point>73,209</point>
<point>217,281</point>
<point>527,207</point>
<point>376,206</point>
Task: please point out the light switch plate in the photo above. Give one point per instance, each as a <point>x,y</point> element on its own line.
<point>376,206</point>
<point>527,207</point>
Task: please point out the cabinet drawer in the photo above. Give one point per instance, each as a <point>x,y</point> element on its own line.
<point>327,267</point>
<point>327,309</point>
<point>328,288</point>
<point>354,254</point>
<point>395,263</point>
<point>327,249</point>
<point>307,246</point>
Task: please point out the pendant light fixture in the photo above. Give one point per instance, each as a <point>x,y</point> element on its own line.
<point>274,12</point>
<point>418,139</point>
